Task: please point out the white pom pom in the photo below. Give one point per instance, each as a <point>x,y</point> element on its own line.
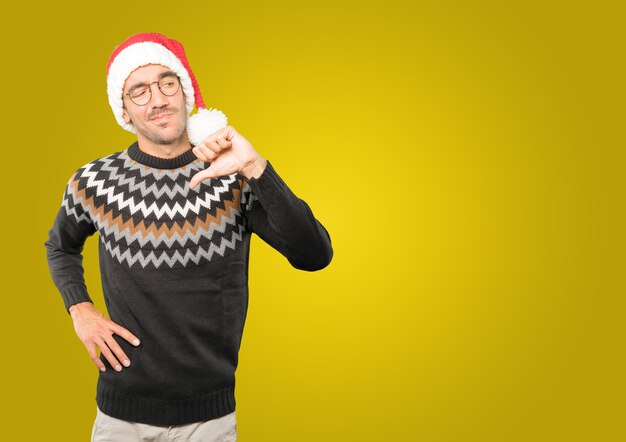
<point>203,123</point>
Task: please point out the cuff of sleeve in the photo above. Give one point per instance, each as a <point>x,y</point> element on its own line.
<point>75,294</point>
<point>268,179</point>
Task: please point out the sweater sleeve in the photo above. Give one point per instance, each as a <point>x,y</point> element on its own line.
<point>286,222</point>
<point>71,228</point>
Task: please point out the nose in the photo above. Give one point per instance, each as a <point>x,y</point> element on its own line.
<point>158,99</point>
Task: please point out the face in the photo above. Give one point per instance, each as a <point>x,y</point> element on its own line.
<point>163,119</point>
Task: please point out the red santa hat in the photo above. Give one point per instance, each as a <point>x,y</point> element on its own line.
<point>151,48</point>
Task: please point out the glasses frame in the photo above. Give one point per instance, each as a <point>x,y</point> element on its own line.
<point>150,89</point>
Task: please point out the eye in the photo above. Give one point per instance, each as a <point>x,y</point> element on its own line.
<point>138,93</point>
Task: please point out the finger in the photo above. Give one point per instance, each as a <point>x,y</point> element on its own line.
<point>213,145</point>
<point>223,143</point>
<point>201,176</point>
<point>124,333</point>
<point>204,153</point>
<point>228,132</point>
<point>106,351</point>
<point>199,152</point>
<point>117,351</point>
<point>93,354</point>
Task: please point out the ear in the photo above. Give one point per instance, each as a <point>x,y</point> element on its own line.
<point>125,114</point>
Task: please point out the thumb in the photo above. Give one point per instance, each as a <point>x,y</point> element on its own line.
<point>201,176</point>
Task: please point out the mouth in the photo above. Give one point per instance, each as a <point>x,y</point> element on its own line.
<point>161,117</point>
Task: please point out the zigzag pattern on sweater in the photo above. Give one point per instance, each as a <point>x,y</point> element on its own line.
<point>150,217</point>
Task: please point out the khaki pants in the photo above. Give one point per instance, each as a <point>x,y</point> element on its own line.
<point>109,429</point>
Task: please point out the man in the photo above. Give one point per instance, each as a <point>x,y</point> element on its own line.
<point>174,246</point>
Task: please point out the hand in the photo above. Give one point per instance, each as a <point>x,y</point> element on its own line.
<point>94,330</point>
<point>228,152</point>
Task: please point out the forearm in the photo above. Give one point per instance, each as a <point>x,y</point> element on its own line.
<point>67,274</point>
<point>65,261</point>
<point>287,223</point>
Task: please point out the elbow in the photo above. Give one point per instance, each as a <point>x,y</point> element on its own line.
<point>325,262</point>
<point>322,257</point>
<point>316,260</point>
<point>50,247</point>
<point>316,255</point>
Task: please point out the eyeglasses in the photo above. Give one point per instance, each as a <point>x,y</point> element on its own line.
<point>142,93</point>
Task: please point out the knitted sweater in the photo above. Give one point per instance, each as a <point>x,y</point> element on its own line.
<point>174,270</point>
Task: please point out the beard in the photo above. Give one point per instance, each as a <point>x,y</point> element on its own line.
<point>178,120</point>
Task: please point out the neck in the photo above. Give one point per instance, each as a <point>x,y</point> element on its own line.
<point>169,150</point>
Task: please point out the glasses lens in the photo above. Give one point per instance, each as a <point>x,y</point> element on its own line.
<point>169,85</point>
<point>140,95</point>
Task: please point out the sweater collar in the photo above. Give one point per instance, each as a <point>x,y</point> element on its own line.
<point>160,163</point>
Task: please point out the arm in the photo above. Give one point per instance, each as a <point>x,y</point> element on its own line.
<point>286,222</point>
<point>64,249</point>
<point>279,217</point>
<point>72,226</point>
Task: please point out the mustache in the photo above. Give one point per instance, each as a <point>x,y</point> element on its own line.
<point>160,111</point>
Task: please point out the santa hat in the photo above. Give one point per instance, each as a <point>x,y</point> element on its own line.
<point>151,48</point>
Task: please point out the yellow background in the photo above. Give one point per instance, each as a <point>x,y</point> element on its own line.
<point>467,159</point>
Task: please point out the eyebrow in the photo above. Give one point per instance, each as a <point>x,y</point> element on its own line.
<point>161,76</point>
